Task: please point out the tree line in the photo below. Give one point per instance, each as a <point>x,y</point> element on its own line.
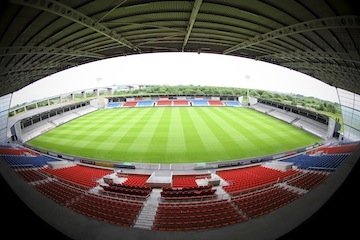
<point>311,103</point>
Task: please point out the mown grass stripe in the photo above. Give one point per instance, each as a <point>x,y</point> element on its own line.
<point>131,137</point>
<point>196,151</point>
<point>210,137</point>
<point>151,134</point>
<point>176,145</point>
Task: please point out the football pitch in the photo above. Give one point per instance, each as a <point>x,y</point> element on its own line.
<point>174,135</point>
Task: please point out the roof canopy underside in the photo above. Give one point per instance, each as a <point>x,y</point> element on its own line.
<point>41,37</point>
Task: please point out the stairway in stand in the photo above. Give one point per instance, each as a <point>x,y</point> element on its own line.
<point>147,214</point>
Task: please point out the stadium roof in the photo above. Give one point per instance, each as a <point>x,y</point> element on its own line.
<point>41,37</point>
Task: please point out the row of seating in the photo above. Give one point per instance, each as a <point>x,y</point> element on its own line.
<point>7,150</point>
<point>265,201</point>
<point>335,149</point>
<point>21,161</point>
<point>119,212</point>
<point>328,162</point>
<point>58,191</point>
<point>243,179</point>
<point>126,190</point>
<point>186,180</point>
<point>186,188</point>
<point>192,216</point>
<point>31,174</point>
<point>81,175</point>
<point>138,180</point>
<point>173,102</point>
<point>308,180</point>
<point>176,193</point>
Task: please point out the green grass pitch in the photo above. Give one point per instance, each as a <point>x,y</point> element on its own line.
<point>174,135</point>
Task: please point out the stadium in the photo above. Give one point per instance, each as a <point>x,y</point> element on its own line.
<point>203,187</point>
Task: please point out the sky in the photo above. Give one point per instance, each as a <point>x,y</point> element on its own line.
<point>177,69</point>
